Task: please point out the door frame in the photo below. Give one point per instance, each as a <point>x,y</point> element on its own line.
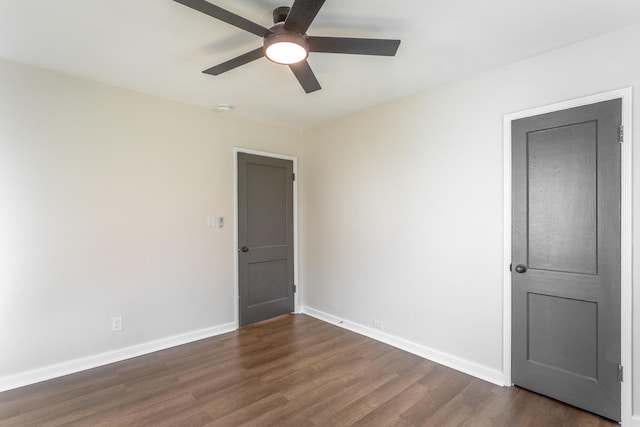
<point>626,95</point>
<point>236,288</point>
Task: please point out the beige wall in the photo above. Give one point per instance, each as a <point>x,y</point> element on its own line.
<point>104,195</point>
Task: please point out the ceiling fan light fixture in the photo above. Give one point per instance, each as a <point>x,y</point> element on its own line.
<point>286,53</point>
<point>284,47</point>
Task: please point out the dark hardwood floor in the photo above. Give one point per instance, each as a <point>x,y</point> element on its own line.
<point>290,371</point>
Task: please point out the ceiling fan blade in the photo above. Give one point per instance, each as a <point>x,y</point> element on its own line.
<point>236,62</point>
<point>305,76</point>
<point>356,46</point>
<point>302,14</point>
<point>226,16</point>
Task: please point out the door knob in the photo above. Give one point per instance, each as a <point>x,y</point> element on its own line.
<point>520,268</point>
<point>244,249</point>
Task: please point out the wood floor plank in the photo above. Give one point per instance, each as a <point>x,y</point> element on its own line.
<point>157,407</point>
<point>66,411</point>
<point>34,398</point>
<point>442,385</point>
<point>389,412</point>
<point>290,371</point>
<point>368,403</point>
<point>249,412</point>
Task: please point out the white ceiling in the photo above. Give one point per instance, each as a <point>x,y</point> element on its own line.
<point>160,47</point>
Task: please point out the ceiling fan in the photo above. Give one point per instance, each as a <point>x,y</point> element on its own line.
<point>287,42</point>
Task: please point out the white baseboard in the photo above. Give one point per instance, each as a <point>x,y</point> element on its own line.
<point>468,367</point>
<point>65,368</point>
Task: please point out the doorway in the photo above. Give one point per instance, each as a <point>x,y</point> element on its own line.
<point>544,345</point>
<point>265,236</point>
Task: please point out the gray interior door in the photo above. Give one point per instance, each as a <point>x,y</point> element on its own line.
<point>265,237</point>
<point>566,256</point>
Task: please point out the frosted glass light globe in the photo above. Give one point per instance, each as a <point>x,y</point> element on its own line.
<point>286,52</point>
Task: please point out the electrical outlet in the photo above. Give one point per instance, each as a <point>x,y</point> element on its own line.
<point>116,323</point>
<point>378,324</point>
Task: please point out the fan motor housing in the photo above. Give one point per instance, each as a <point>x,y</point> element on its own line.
<point>280,14</point>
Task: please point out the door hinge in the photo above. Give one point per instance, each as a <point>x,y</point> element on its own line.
<point>620,373</point>
<point>620,134</point>
<point>294,176</point>
<point>295,288</point>
<point>510,267</point>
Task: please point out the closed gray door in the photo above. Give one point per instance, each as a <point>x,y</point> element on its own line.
<point>265,237</point>
<point>566,256</point>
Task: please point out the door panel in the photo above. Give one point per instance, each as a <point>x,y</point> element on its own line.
<point>550,329</point>
<point>267,204</point>
<point>566,232</point>
<point>265,237</point>
<point>268,281</point>
<point>562,222</point>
